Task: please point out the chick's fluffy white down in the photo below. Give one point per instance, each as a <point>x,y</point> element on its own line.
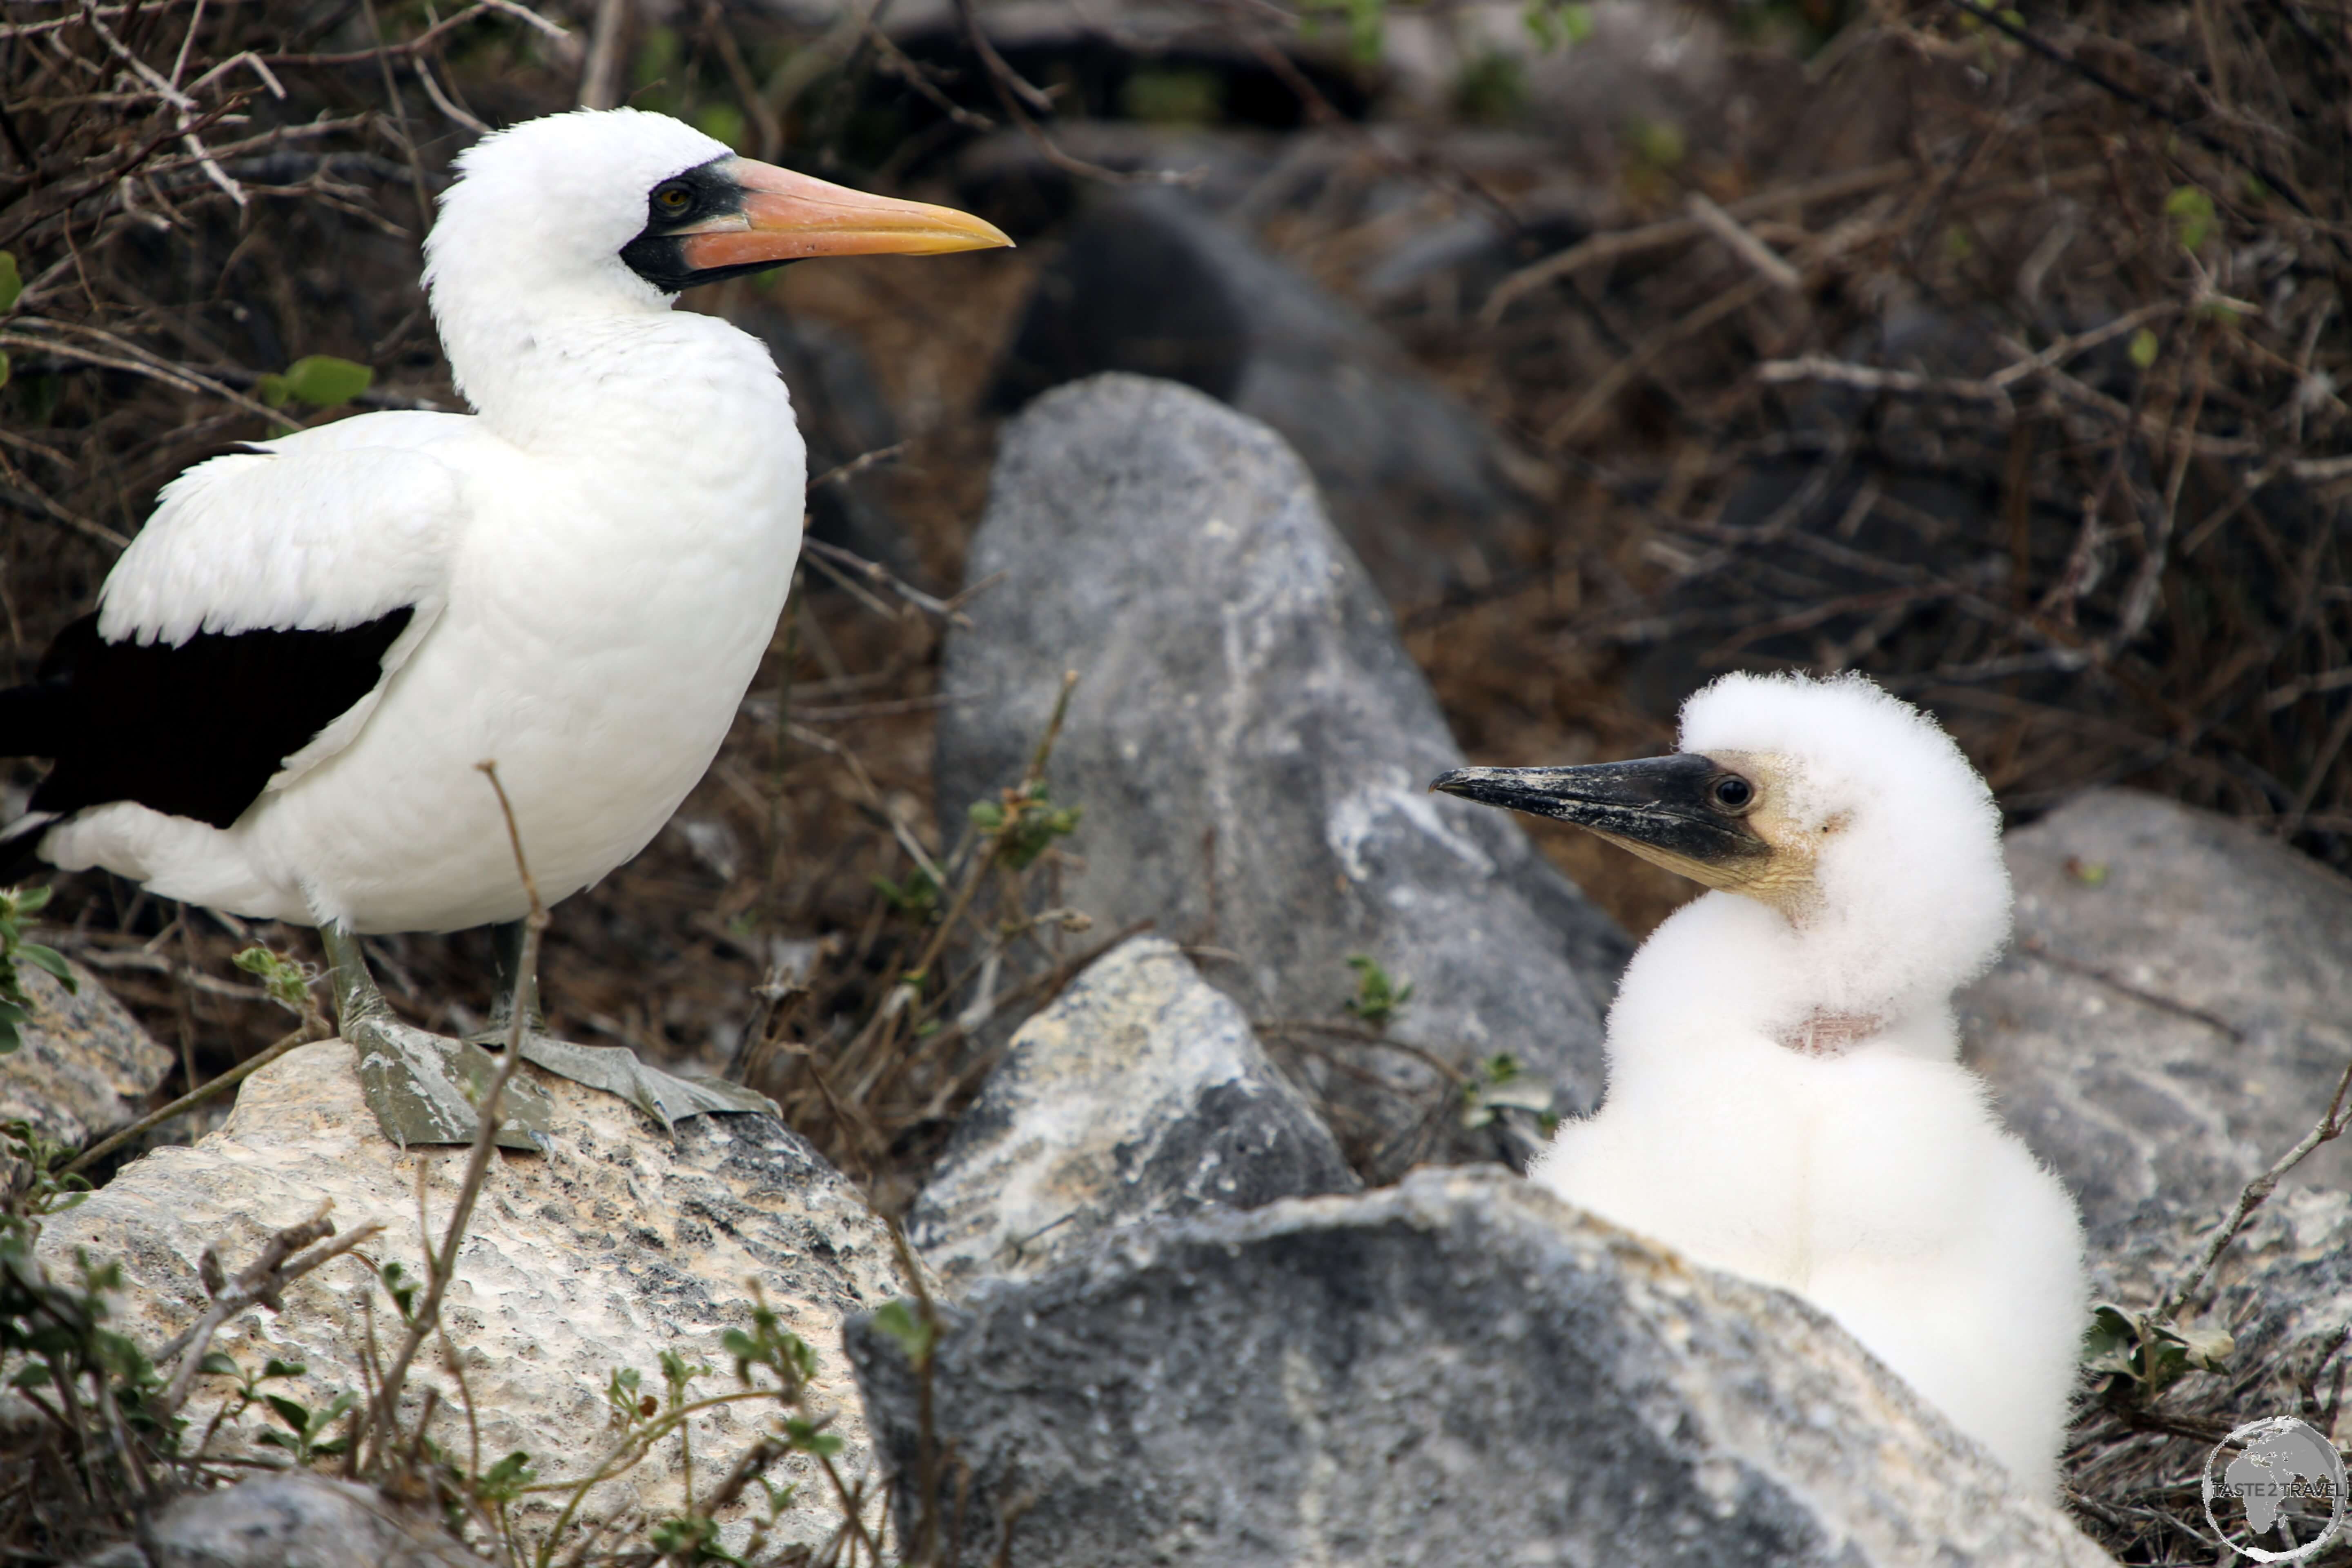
<point>1876,1180</point>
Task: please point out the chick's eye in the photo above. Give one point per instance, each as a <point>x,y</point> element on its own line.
<point>673,199</point>
<point>1733,791</point>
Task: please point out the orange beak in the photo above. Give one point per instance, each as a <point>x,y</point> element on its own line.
<point>786,216</point>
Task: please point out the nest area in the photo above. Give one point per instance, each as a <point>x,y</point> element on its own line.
<point>2006,363</point>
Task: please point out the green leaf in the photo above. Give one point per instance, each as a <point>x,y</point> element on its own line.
<point>509,1475</point>
<point>320,380</point>
<point>913,1335</point>
<point>2109,1343</point>
<point>12,282</point>
<point>33,1375</point>
<point>2192,215</point>
<point>293,1412</point>
<point>51,959</point>
<point>804,1437</point>
<point>3,367</point>
<point>1378,999</point>
<point>273,1367</point>
<point>2143,348</point>
<point>217,1364</point>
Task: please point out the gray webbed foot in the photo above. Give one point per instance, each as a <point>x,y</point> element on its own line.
<point>423,1088</point>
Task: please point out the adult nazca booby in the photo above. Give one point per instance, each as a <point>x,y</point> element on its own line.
<point>279,706</point>
<point>1785,1100</point>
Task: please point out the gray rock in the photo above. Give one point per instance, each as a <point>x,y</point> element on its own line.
<point>1148,282</point>
<point>2175,1009</point>
<point>615,1245</point>
<point>1460,1370</point>
<point>2282,1288</point>
<point>291,1522</point>
<point>1253,748</point>
<point>85,1069</point>
<point>1140,1092</point>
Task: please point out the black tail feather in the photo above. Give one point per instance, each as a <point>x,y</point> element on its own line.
<point>35,719</point>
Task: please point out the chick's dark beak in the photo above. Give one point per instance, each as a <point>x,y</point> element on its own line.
<point>1662,808</point>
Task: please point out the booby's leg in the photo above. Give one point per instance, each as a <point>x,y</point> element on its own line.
<point>423,1088</point>
<point>510,984</point>
<point>615,1069</point>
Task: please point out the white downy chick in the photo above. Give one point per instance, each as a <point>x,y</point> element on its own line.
<point>1785,1096</point>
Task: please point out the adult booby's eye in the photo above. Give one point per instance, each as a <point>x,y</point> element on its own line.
<point>673,198</point>
<point>1732,792</point>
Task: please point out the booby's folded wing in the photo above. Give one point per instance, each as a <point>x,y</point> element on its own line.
<point>250,629</point>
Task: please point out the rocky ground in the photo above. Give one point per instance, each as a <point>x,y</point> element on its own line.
<point>1320,491</point>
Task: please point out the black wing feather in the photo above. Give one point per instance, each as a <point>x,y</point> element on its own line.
<point>195,730</point>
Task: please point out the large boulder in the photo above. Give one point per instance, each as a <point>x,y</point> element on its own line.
<point>1252,749</point>
<point>1148,281</point>
<point>615,1245</point>
<point>85,1067</point>
<point>2175,1006</point>
<point>1139,1093</point>
<point>1460,1370</point>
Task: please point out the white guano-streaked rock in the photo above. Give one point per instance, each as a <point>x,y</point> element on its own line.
<point>614,1246</point>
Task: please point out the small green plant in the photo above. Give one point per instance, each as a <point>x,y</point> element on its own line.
<point>2140,1355</point>
<point>321,381</point>
<point>1024,822</point>
<point>1555,23</point>
<point>287,981</point>
<point>912,1331</point>
<point>17,906</point>
<point>305,1436</point>
<point>1378,999</point>
<point>918,897</point>
<point>1499,1084</point>
<point>2192,215</point>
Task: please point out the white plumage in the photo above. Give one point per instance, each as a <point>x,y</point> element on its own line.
<point>597,562</point>
<point>589,567</point>
<point>1785,1100</point>
<point>593,562</point>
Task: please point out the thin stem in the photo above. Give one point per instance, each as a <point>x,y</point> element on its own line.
<point>477,1159</point>
<point>2258,1191</point>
